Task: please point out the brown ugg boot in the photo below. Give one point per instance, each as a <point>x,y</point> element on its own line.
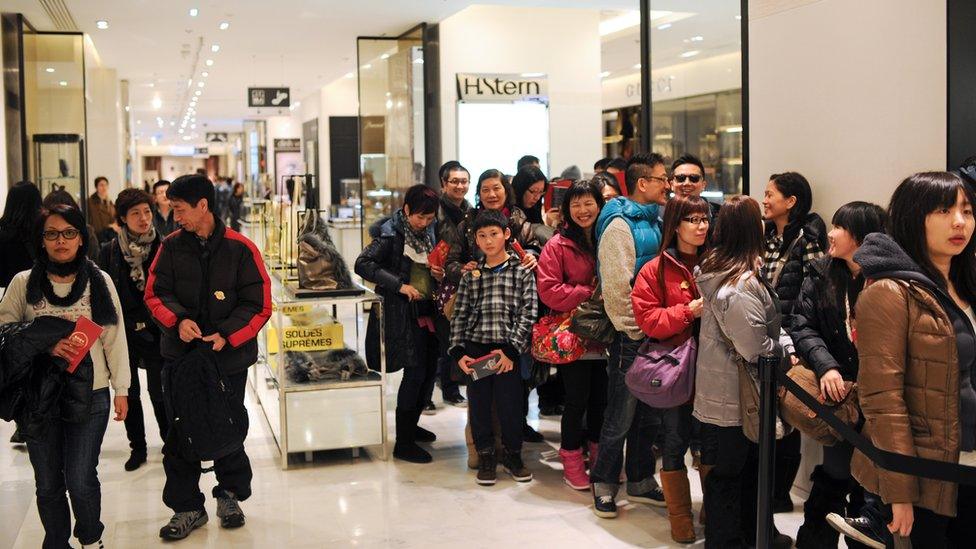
<point>677,494</point>
<point>703,471</point>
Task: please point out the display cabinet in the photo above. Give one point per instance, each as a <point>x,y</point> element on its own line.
<point>311,380</point>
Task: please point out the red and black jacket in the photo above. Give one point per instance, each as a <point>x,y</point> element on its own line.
<point>221,284</point>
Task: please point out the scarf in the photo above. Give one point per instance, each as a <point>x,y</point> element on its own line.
<point>420,242</point>
<point>135,251</point>
<point>87,274</point>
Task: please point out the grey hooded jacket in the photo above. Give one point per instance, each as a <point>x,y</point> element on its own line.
<point>747,315</point>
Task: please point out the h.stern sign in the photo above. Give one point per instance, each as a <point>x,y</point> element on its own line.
<point>490,88</point>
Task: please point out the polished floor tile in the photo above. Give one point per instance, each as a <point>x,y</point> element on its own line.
<point>338,501</point>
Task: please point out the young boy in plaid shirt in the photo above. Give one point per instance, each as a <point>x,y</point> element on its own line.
<point>494,313</point>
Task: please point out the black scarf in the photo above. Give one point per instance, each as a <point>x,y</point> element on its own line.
<point>39,287</point>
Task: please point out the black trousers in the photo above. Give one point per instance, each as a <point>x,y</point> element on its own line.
<point>417,384</point>
<point>585,382</point>
<point>730,489</point>
<point>449,387</point>
<point>182,490</point>
<point>505,390</point>
<point>135,424</point>
<point>937,531</point>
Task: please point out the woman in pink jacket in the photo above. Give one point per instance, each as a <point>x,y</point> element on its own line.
<point>566,277</point>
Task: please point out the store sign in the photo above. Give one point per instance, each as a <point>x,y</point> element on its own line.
<point>490,88</point>
<point>288,145</point>
<point>201,152</point>
<point>268,97</point>
<point>322,337</point>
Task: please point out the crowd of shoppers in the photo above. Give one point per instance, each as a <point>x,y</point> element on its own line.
<point>880,306</point>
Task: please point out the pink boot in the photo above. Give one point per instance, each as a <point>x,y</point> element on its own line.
<point>574,472</point>
<point>593,449</point>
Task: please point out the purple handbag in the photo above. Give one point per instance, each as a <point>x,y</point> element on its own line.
<point>663,376</point>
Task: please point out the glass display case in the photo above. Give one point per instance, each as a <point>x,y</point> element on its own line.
<point>59,163</point>
<point>311,379</point>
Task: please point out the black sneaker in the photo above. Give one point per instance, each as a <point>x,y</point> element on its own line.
<point>423,435</point>
<point>604,506</point>
<point>182,524</point>
<point>515,467</point>
<point>654,496</point>
<point>457,400</point>
<point>430,409</point>
<point>229,512</point>
<point>487,467</point>
<point>861,529</point>
<point>531,435</point>
<point>136,459</point>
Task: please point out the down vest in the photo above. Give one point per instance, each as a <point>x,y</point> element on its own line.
<point>910,386</point>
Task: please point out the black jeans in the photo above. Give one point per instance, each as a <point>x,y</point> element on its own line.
<point>837,460</point>
<point>449,386</point>
<point>66,458</point>
<point>182,489</point>
<point>585,382</point>
<point>505,390</point>
<point>676,423</point>
<point>730,489</point>
<point>931,530</point>
<point>552,393</point>
<point>135,425</point>
<point>625,419</point>
<point>417,383</point>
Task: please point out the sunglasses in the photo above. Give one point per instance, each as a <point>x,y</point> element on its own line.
<point>694,178</point>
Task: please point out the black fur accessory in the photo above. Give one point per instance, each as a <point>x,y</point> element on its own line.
<point>39,287</point>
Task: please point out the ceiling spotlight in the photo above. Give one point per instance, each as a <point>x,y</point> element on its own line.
<point>204,74</point>
<point>194,12</point>
<point>157,103</point>
<point>49,69</point>
<point>193,126</point>
<point>224,25</point>
<point>172,123</point>
<point>187,138</point>
<point>215,48</point>
<point>197,93</point>
<point>127,108</point>
<point>209,62</point>
<point>63,83</point>
<point>101,24</point>
<point>180,130</point>
<point>201,84</point>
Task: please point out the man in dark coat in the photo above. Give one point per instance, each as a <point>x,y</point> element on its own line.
<point>207,285</point>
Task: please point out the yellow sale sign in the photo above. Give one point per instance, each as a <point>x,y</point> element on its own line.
<point>321,337</point>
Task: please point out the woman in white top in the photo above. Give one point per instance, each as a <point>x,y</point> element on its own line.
<point>64,283</point>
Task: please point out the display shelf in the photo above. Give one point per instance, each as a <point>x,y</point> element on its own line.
<point>307,414</point>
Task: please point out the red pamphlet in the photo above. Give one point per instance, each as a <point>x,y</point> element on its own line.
<point>554,194</point>
<point>518,249</point>
<point>83,337</point>
<point>484,366</point>
<point>438,256</point>
<point>622,182</point>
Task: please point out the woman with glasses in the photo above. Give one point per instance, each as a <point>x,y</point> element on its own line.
<point>667,307</point>
<point>64,449</point>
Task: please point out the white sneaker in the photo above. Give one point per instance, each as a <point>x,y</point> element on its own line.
<point>97,545</point>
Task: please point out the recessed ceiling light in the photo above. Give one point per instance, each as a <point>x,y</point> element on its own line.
<point>738,18</point>
<point>63,83</point>
<point>157,103</point>
<point>152,84</point>
<point>215,48</point>
<point>180,130</point>
<point>209,62</point>
<point>194,12</point>
<point>187,138</point>
<point>366,67</point>
<point>198,93</point>
<point>205,74</point>
<point>101,24</point>
<point>127,108</point>
<point>201,84</point>
<point>224,25</point>
<point>138,121</point>
<point>690,53</point>
<point>193,126</point>
<point>697,38</point>
<point>385,56</point>
<point>189,82</point>
<point>665,26</point>
<point>604,74</point>
<point>350,75</point>
<point>172,123</point>
<point>49,69</point>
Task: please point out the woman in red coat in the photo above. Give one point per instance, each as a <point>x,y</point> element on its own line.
<point>667,307</point>
<point>566,277</point>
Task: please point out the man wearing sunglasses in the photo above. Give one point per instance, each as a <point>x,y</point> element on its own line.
<point>688,179</point>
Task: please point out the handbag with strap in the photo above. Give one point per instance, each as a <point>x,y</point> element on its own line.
<point>803,418</point>
<point>553,342</point>
<point>591,321</point>
<point>663,376</point>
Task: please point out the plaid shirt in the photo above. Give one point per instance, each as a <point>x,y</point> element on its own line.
<point>495,306</point>
<point>773,259</point>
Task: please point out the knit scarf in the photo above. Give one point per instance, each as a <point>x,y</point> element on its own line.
<point>87,274</point>
<point>419,241</point>
<point>135,251</point>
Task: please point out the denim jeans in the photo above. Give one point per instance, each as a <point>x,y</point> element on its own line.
<point>66,458</point>
<point>625,419</point>
<point>677,436</point>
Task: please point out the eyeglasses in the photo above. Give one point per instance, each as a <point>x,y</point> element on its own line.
<point>696,220</point>
<point>457,182</point>
<point>657,178</point>
<point>67,234</point>
<point>694,178</point>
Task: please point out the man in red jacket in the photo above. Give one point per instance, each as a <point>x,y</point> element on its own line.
<point>207,283</point>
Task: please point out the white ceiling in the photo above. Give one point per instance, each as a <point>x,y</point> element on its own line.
<point>303,44</point>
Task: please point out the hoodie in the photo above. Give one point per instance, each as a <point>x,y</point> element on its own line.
<point>880,257</point>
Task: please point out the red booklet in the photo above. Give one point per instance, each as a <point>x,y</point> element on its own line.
<point>84,336</point>
<point>438,256</point>
<point>518,249</point>
<point>484,366</point>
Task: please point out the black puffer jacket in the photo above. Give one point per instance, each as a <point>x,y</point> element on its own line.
<point>796,268</point>
<point>382,262</point>
<point>819,325</point>
<point>141,333</point>
<point>35,388</point>
<point>221,284</point>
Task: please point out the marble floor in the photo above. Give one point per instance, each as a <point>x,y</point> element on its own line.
<point>341,501</point>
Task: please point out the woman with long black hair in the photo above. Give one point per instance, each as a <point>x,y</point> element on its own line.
<point>823,332</point>
<point>19,213</point>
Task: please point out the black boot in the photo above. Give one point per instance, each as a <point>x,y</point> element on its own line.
<point>786,468</point>
<point>827,495</point>
<point>406,445</point>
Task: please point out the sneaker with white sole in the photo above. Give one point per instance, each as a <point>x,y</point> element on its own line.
<point>182,524</point>
<point>604,506</point>
<point>861,529</point>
